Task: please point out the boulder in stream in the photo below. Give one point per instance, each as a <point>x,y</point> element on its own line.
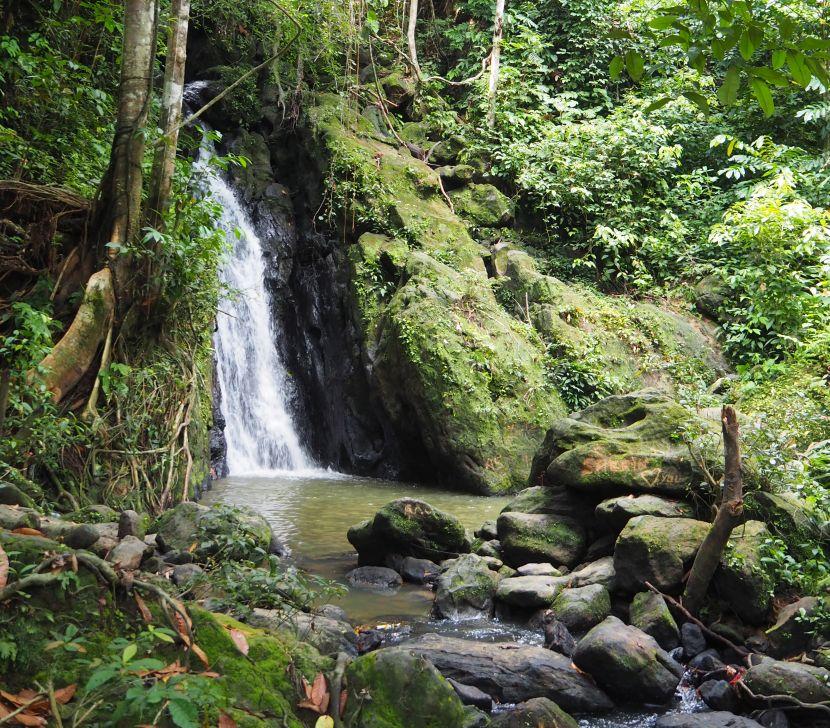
<point>409,527</point>
<point>531,538</point>
<point>374,577</point>
<point>395,688</point>
<point>512,672</point>
<point>582,607</point>
<point>650,613</point>
<point>628,663</point>
<point>534,713</point>
<point>714,719</point>
<point>465,588</point>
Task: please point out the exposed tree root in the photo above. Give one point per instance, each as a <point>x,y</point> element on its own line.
<point>72,356</point>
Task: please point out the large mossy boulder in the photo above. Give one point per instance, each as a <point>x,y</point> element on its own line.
<point>465,588</point>
<point>554,501</point>
<point>799,626</point>
<point>621,445</point>
<point>627,663</point>
<point>483,205</point>
<point>582,607</point>
<point>530,538</point>
<point>397,689</point>
<point>742,579</point>
<point>650,613</point>
<point>656,550</point>
<point>409,527</point>
<point>232,533</point>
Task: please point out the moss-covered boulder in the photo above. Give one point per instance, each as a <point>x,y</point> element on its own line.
<point>622,444</point>
<point>465,588</point>
<point>657,550</point>
<point>396,689</point>
<point>555,501</point>
<point>530,538</point>
<point>535,713</point>
<point>483,205</point>
<point>650,613</point>
<point>806,683</point>
<point>409,527</point>
<point>742,579</point>
<point>581,608</point>
<point>798,627</point>
<point>235,533</point>
<point>627,663</point>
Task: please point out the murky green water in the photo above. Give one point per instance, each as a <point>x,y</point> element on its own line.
<point>312,512</point>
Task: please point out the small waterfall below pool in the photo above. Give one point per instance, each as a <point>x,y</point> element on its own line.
<point>256,389</point>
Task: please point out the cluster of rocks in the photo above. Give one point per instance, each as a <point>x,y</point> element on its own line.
<point>174,549</point>
<point>583,555</point>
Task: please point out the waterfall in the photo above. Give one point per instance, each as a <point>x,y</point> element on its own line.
<point>256,389</point>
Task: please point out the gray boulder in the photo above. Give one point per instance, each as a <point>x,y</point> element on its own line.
<point>374,577</point>
<point>612,514</point>
<point>12,517</point>
<point>81,536</point>
<point>658,550</point>
<point>418,571</point>
<point>531,538</point>
<point>184,573</point>
<point>718,695</point>
<point>557,636</point>
<point>534,713</point>
<point>11,495</point>
<point>129,553</point>
<point>329,634</point>
<point>806,683</point>
<point>512,672</point>
<point>530,592</point>
<point>583,607</point>
<point>627,663</point>
<point>554,500</point>
<point>649,612</point>
<point>130,523</point>
<point>538,570</point>
<point>465,588</point>
<point>718,719</point>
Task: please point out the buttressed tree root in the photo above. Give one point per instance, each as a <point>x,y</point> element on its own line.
<point>72,356</point>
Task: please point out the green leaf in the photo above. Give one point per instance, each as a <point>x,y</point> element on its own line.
<point>763,95</point>
<point>698,100</point>
<point>718,49</point>
<point>662,22</point>
<point>779,56</point>
<point>658,104</point>
<point>776,78</point>
<point>101,676</point>
<point>129,653</point>
<point>786,28</point>
<point>184,713</point>
<point>746,45</point>
<point>615,67</point>
<point>798,68</point>
<point>635,65</point>
<point>728,92</point>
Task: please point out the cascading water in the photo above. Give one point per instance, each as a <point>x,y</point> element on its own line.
<point>259,431</point>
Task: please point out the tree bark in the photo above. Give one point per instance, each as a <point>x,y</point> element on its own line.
<point>729,516</point>
<point>410,37</point>
<point>161,179</point>
<point>74,353</point>
<point>495,60</point>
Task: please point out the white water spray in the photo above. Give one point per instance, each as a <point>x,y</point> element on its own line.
<point>259,430</point>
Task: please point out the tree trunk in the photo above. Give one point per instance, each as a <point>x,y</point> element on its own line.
<point>729,516</point>
<point>495,60</point>
<point>119,211</point>
<point>123,184</point>
<point>410,37</point>
<point>161,180</point>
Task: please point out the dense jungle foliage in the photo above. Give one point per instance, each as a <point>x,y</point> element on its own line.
<point>671,152</point>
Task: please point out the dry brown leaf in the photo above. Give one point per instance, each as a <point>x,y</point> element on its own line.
<point>344,694</point>
<point>201,654</point>
<point>181,628</point>
<point>239,639</point>
<point>142,607</point>
<point>28,719</point>
<point>64,695</point>
<point>225,721</point>
<point>26,531</point>
<point>4,568</point>
<point>317,695</point>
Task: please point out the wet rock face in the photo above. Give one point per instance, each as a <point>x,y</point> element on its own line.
<point>465,588</point>
<point>538,712</point>
<point>527,538</point>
